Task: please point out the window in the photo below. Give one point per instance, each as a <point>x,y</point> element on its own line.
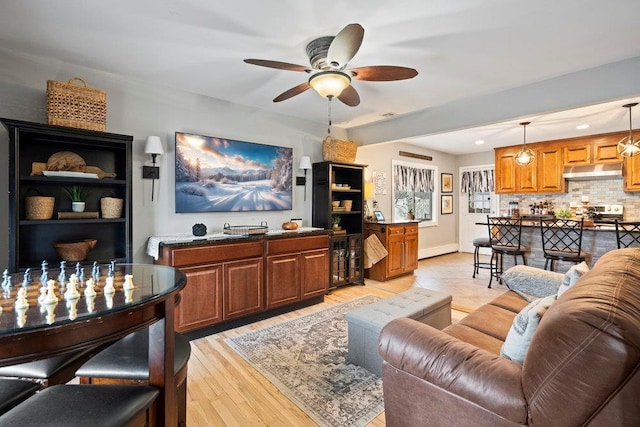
<point>414,192</point>
<point>479,202</point>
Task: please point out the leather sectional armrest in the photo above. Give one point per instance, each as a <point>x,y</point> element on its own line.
<point>476,375</point>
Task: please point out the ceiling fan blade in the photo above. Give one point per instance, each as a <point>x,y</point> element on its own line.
<point>382,73</point>
<point>278,65</point>
<point>345,45</point>
<point>349,96</point>
<point>297,90</point>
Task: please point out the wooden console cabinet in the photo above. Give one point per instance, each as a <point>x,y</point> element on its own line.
<point>228,280</point>
<point>401,241</point>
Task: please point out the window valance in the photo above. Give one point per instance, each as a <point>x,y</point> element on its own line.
<point>480,181</point>
<point>407,178</point>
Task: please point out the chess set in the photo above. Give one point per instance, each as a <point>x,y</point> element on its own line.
<point>46,292</point>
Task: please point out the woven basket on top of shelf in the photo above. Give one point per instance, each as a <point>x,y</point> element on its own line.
<point>78,106</point>
<point>336,150</point>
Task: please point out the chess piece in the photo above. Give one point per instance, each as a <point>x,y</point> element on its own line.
<point>6,279</point>
<point>51,297</point>
<point>43,295</point>
<point>45,272</point>
<point>81,276</point>
<point>26,278</point>
<point>95,271</point>
<point>108,287</point>
<point>72,290</point>
<point>90,291</point>
<point>128,282</point>
<point>77,269</point>
<point>21,299</point>
<point>112,267</point>
<point>62,276</point>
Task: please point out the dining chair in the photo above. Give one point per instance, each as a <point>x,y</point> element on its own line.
<point>627,234</point>
<point>505,234</point>
<point>562,241</point>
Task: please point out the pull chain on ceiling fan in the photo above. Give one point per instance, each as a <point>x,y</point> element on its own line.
<point>328,57</point>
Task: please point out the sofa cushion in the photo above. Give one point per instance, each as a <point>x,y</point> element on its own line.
<point>523,327</point>
<point>530,281</point>
<point>575,272</point>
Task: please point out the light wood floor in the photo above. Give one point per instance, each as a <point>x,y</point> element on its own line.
<point>223,390</point>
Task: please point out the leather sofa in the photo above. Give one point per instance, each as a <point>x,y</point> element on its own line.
<point>582,366</point>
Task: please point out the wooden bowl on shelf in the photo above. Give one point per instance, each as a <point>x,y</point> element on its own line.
<point>74,251</point>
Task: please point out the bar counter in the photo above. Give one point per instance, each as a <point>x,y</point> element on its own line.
<point>596,241</point>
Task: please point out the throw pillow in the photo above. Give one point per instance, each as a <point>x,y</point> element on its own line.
<point>572,276</point>
<point>523,327</point>
<point>537,282</point>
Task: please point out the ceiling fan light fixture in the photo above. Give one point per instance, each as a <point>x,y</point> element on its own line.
<point>627,147</point>
<point>329,84</point>
<point>525,156</point>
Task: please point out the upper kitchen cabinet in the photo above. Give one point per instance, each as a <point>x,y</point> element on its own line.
<point>107,173</point>
<point>631,173</point>
<point>544,175</point>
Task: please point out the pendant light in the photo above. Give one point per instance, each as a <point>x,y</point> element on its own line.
<point>525,156</point>
<point>627,147</point>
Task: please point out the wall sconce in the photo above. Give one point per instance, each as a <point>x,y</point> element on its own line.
<point>153,147</point>
<point>305,164</point>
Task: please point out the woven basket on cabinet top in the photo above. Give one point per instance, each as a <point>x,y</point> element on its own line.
<point>336,150</point>
<point>77,106</point>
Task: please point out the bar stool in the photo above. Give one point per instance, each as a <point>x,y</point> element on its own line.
<point>480,242</point>
<point>562,241</point>
<point>86,405</point>
<point>13,391</point>
<point>126,362</point>
<point>627,234</point>
<point>505,234</point>
<point>54,370</point>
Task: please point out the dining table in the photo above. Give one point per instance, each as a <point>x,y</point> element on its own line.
<point>41,316</point>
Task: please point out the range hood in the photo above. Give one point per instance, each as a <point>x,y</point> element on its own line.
<point>590,172</point>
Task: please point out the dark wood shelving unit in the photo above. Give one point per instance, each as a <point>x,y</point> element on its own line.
<point>30,240</point>
<point>346,247</point>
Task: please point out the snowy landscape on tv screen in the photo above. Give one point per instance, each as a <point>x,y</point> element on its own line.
<point>223,175</point>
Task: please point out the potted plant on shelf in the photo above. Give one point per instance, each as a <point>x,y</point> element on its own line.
<point>78,196</point>
<point>335,222</point>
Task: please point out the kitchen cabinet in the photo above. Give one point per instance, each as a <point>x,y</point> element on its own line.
<point>631,173</point>
<point>511,177</point>
<point>577,154</point>
<point>297,269</point>
<point>237,278</point>
<point>32,144</point>
<point>401,242</point>
<point>334,186</point>
<point>550,168</point>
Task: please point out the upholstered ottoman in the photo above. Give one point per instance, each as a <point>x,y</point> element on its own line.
<point>365,323</point>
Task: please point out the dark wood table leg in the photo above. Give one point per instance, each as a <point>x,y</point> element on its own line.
<point>161,375</point>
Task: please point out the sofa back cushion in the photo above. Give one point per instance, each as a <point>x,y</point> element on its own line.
<point>586,350</point>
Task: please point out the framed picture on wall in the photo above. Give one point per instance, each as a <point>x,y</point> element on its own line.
<point>446,204</point>
<point>446,182</point>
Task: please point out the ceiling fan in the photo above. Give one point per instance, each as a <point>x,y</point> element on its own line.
<point>328,57</point>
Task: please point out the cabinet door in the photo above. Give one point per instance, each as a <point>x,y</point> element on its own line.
<point>527,177</point>
<point>505,172</point>
<point>411,248</point>
<point>395,247</point>
<point>632,173</point>
<point>315,273</point>
<point>201,299</point>
<point>283,279</point>
<point>577,155</point>
<point>356,273</point>
<point>550,170</point>
<point>242,288</point>
<point>606,152</point>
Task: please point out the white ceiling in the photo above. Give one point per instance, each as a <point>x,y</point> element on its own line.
<point>460,48</point>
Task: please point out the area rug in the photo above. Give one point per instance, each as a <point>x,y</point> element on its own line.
<point>306,359</point>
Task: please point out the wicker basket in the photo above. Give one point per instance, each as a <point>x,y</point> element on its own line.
<point>111,207</point>
<point>76,106</point>
<point>38,207</point>
<point>336,150</point>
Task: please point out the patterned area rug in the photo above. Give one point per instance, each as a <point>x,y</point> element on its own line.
<point>306,359</point>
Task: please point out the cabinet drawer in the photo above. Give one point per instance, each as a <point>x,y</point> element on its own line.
<point>393,230</point>
<point>215,253</point>
<point>411,229</point>
<point>297,244</point>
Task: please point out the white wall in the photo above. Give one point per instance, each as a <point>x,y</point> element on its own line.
<point>138,109</point>
<point>435,240</point>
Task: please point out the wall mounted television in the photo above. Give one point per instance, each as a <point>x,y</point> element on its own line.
<point>224,175</point>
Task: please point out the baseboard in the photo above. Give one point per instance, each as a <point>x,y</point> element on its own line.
<point>438,250</point>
